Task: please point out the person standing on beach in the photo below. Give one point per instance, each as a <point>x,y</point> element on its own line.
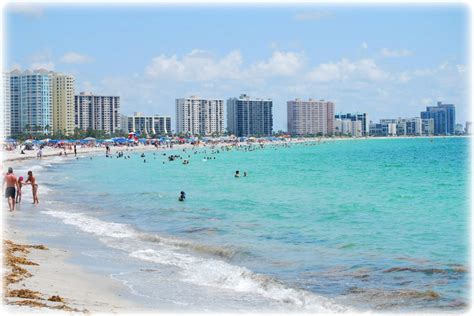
<point>10,190</point>
<point>19,185</point>
<point>34,186</point>
<point>75,150</point>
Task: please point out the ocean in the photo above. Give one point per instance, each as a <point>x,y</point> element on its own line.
<point>353,225</point>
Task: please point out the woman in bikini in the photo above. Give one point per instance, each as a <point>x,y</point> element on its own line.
<point>34,186</point>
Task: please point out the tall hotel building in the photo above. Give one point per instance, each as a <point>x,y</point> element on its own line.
<point>248,116</point>
<point>97,112</point>
<point>31,97</point>
<point>6,111</point>
<point>310,117</point>
<point>149,125</point>
<point>195,115</point>
<point>444,117</point>
<point>63,104</point>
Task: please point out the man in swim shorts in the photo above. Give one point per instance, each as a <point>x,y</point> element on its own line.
<point>10,189</point>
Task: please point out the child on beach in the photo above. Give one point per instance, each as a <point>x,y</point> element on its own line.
<point>34,186</point>
<point>19,185</point>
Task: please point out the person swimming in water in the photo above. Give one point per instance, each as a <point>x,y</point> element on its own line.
<point>182,196</point>
<point>237,174</point>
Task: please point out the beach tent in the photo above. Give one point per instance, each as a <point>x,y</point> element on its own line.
<point>90,139</point>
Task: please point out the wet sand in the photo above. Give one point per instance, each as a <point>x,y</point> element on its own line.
<point>39,278</point>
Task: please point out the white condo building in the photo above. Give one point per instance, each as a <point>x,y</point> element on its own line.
<point>97,112</point>
<point>310,117</point>
<point>148,124</point>
<point>346,126</point>
<point>195,115</point>
<point>6,113</point>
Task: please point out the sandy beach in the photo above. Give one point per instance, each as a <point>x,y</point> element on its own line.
<point>38,277</point>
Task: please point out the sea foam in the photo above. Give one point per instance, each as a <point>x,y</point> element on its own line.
<point>199,270</point>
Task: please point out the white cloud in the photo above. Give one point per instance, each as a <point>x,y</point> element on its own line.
<point>42,60</point>
<point>363,69</point>
<point>27,9</point>
<point>311,16</point>
<point>461,68</point>
<point>280,64</point>
<point>364,45</point>
<point>427,101</point>
<point>395,53</point>
<point>48,65</point>
<point>199,65</point>
<point>75,58</point>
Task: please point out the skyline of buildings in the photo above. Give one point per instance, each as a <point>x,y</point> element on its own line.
<point>44,101</point>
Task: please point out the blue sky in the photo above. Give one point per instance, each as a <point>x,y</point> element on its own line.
<point>389,61</point>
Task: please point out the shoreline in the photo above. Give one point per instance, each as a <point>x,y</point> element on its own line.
<point>90,151</point>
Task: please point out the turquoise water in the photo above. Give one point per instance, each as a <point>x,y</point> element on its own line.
<point>360,224</point>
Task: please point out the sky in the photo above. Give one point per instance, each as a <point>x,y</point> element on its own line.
<point>388,61</point>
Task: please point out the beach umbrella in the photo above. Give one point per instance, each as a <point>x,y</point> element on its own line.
<point>90,139</point>
<point>10,140</point>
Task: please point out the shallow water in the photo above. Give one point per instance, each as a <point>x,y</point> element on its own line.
<point>357,224</point>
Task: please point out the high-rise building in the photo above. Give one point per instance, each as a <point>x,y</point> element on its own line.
<point>458,129</point>
<point>97,112</point>
<point>405,126</point>
<point>248,116</point>
<point>413,126</point>
<point>63,103</point>
<point>310,117</point>
<point>195,115</point>
<point>149,125</point>
<point>468,128</point>
<point>348,127</point>
<point>444,117</point>
<point>362,117</point>
<point>124,123</point>
<point>384,128</point>
<point>427,127</point>
<point>6,113</point>
<point>30,101</point>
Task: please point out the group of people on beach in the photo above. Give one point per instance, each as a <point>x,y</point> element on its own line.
<point>13,186</point>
